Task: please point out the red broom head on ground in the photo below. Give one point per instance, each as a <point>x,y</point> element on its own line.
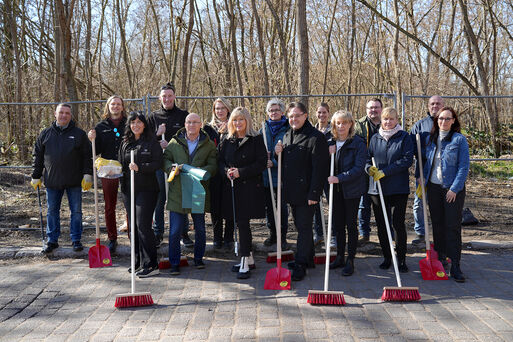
<point>285,256</point>
<point>129,300</point>
<point>400,294</point>
<point>320,258</point>
<point>326,297</point>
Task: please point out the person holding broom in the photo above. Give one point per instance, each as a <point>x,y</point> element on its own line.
<point>446,170</point>
<point>107,137</point>
<point>242,159</point>
<point>350,183</point>
<point>305,169</point>
<point>147,159</point>
<point>392,149</point>
<point>191,146</point>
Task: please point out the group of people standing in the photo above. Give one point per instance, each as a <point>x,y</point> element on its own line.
<point>232,159</point>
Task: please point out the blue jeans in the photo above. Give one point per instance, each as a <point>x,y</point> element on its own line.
<point>158,215</point>
<point>418,214</point>
<point>364,213</point>
<point>176,227</point>
<point>53,219</point>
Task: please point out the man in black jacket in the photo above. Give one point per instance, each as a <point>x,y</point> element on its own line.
<point>305,170</point>
<point>166,121</point>
<point>64,153</point>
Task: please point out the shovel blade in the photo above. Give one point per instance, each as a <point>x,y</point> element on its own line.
<point>277,278</point>
<point>432,269</point>
<point>99,256</point>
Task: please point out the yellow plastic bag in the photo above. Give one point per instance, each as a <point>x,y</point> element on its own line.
<point>108,168</point>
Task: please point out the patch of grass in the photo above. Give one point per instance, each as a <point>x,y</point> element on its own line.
<point>495,169</point>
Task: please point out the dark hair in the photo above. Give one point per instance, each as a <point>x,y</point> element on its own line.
<point>376,100</point>
<point>325,105</point>
<point>455,127</point>
<point>129,135</point>
<point>299,105</point>
<point>168,86</point>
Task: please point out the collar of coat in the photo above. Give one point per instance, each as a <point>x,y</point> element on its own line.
<point>180,136</point>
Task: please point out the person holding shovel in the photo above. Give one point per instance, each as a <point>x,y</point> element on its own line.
<point>242,159</point>
<point>147,159</point>
<point>189,146</point>
<point>350,183</point>
<point>107,137</point>
<point>446,170</point>
<point>392,149</point>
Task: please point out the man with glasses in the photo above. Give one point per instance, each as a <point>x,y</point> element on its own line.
<point>305,170</point>
<point>166,121</point>
<point>423,126</point>
<point>366,127</point>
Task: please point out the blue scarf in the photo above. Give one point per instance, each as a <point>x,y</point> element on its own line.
<point>275,126</point>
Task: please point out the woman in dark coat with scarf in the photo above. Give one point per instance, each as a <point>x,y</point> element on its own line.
<point>243,158</point>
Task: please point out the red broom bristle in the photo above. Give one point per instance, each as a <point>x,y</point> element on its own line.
<point>285,256</point>
<point>132,300</point>
<point>326,298</point>
<point>398,294</point>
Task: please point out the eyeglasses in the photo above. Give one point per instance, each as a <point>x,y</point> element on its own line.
<point>445,119</point>
<point>116,131</point>
<point>274,110</point>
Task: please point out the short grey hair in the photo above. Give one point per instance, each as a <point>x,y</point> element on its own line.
<point>275,101</point>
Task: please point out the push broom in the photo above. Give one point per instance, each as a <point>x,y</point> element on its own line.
<point>327,297</point>
<point>430,267</point>
<point>287,255</point>
<point>133,298</point>
<point>399,293</point>
<point>278,278</point>
<point>320,258</point>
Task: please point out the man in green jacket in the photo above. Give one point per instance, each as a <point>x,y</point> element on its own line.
<point>192,158</point>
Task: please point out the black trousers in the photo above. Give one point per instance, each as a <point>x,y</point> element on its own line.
<point>446,221</point>
<point>217,223</point>
<point>245,238</point>
<point>145,244</point>
<point>396,210</point>
<point>269,215</point>
<point>345,213</point>
<point>303,218</point>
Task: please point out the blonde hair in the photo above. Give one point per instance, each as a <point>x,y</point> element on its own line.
<point>244,112</point>
<point>343,115</point>
<point>106,111</point>
<point>225,103</point>
<point>389,111</point>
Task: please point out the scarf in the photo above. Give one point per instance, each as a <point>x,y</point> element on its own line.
<point>220,126</point>
<point>275,126</point>
<point>388,133</point>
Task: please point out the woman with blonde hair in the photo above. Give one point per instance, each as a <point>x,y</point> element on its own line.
<point>107,137</point>
<point>242,159</point>
<point>349,185</point>
<point>392,149</point>
<point>217,130</point>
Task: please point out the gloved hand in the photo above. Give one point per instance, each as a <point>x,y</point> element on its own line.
<point>36,183</point>
<point>87,182</point>
<point>418,192</point>
<point>375,173</point>
<point>372,171</point>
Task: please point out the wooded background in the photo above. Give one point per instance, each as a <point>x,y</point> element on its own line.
<point>54,51</point>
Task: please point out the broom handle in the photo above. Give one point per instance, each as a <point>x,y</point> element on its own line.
<point>95,180</point>
<point>278,214</point>
<point>385,215</point>
<point>234,221</point>
<point>424,202</point>
<point>132,221</point>
<point>166,184</point>
<point>269,174</point>
<point>327,239</point>
<point>323,224</point>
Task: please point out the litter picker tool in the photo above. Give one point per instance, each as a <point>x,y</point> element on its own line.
<point>133,298</point>
<point>278,278</point>
<point>287,255</point>
<point>327,297</point>
<point>430,267</point>
<point>41,216</point>
<point>320,258</point>
<point>99,255</point>
<point>234,220</point>
<point>398,293</point>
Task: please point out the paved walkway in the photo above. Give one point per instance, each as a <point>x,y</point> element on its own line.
<point>64,300</point>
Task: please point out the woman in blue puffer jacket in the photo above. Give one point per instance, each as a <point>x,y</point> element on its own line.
<point>445,173</point>
<point>392,149</point>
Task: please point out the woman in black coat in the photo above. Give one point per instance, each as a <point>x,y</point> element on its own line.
<point>217,130</point>
<point>349,184</point>
<point>147,160</point>
<point>243,158</point>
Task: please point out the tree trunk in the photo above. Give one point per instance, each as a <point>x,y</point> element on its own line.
<point>185,57</point>
<point>124,48</point>
<point>261,47</point>
<point>304,56</point>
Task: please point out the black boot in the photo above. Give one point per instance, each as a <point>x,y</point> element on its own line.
<point>456,273</point>
<point>385,265</point>
<point>349,268</point>
<point>403,268</point>
<point>338,262</point>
